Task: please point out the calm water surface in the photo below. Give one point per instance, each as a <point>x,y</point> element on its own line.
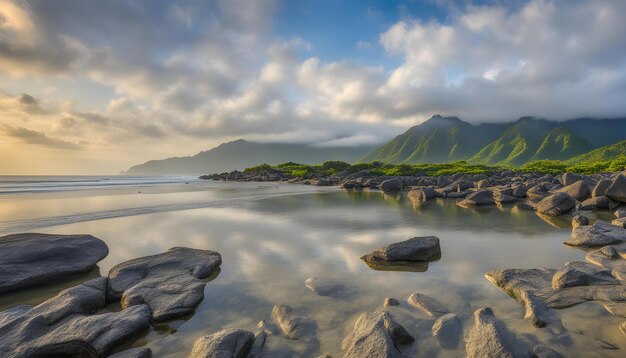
<point>273,237</point>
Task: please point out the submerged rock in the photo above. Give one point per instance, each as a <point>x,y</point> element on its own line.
<point>375,335</point>
<point>415,249</point>
<point>448,329</point>
<point>429,305</point>
<point>599,234</point>
<point>169,283</point>
<point>542,351</point>
<point>324,287</point>
<point>489,337</point>
<point>390,301</point>
<point>293,325</point>
<point>227,343</point>
<point>556,204</point>
<point>30,259</point>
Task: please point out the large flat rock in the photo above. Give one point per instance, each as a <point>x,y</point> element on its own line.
<point>599,234</point>
<point>423,248</point>
<point>30,259</point>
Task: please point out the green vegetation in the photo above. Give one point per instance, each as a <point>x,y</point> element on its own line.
<point>555,167</point>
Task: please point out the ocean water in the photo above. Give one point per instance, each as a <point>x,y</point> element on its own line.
<point>272,237</point>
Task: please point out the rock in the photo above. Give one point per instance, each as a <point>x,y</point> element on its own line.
<point>622,327</point>
<point>169,283</point>
<point>481,197</point>
<point>489,337</point>
<point>30,259</point>
<point>519,191</point>
<point>141,352</point>
<point>502,198</point>
<point>324,287</point>
<point>415,249</point>
<point>537,193</point>
<point>390,301</point>
<point>579,190</point>
<point>442,181</point>
<point>227,343</point>
<point>601,188</point>
<point>541,351</point>
<point>619,222</point>
<point>391,185</point>
<point>259,342</point>
<point>611,258</point>
<point>422,194</point>
<point>620,214</point>
<point>538,313</point>
<point>617,190</point>
<point>599,234</point>
<point>556,204</point>
<point>599,202</point>
<point>293,326</point>
<point>64,325</point>
<point>375,335</point>
<point>448,329</point>
<point>579,273</point>
<point>482,184</point>
<point>458,195</point>
<point>568,178</point>
<point>579,220</point>
<point>427,304</point>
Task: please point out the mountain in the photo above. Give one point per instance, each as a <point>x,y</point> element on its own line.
<point>241,154</point>
<point>601,154</point>
<point>562,144</point>
<point>439,139</point>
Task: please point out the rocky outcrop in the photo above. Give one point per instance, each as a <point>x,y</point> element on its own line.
<point>169,283</point>
<point>376,335</point>
<point>599,234</point>
<point>66,325</point>
<point>294,326</point>
<point>429,305</point>
<point>424,248</point>
<point>489,337</point>
<point>227,343</point>
<point>30,259</point>
<point>556,204</point>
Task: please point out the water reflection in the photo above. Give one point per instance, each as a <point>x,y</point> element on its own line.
<point>271,246</point>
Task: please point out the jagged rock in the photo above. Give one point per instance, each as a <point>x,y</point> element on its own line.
<point>227,343</point>
<point>579,220</point>
<point>141,352</point>
<point>542,351</point>
<point>579,273</point>
<point>65,325</point>
<point>169,283</point>
<point>423,248</point>
<point>30,259</point>
<point>601,188</point>
<point>429,305</point>
<point>480,197</point>
<point>391,185</point>
<point>579,190</point>
<point>390,301</point>
<point>293,325</point>
<point>324,287</point>
<point>489,337</point>
<point>617,190</point>
<point>422,194</point>
<point>448,329</point>
<point>599,234</point>
<point>375,335</point>
<point>556,204</point>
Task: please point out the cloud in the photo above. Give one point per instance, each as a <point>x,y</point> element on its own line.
<point>37,138</point>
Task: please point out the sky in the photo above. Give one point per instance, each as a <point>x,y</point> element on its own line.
<point>94,87</point>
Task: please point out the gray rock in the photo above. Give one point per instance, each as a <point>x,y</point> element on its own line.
<point>141,352</point>
<point>429,305</point>
<point>617,190</point>
<point>482,184</point>
<point>293,325</point>
<point>579,220</point>
<point>579,273</point>
<point>601,188</point>
<point>64,325</point>
<point>259,342</point>
<point>599,234</point>
<point>537,193</point>
<point>542,351</point>
<point>448,329</point>
<point>598,202</point>
<point>324,287</point>
<point>556,204</point>
<point>422,194</point>
<point>519,191</point>
<point>458,194</point>
<point>375,335</point>
<point>169,283</point>
<point>489,337</point>
<point>391,185</point>
<point>568,178</point>
<point>612,258</point>
<point>415,249</point>
<point>30,259</point>
<point>227,343</point>
<point>390,301</point>
<point>502,198</point>
<point>579,190</point>
<point>480,197</point>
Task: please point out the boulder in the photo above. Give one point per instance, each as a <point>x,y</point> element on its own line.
<point>502,198</point>
<point>30,259</point>
<point>376,335</point>
<point>599,234</point>
<point>324,287</point>
<point>579,273</point>
<point>489,337</point>
<point>415,249</point>
<point>601,187</point>
<point>140,352</point>
<point>65,325</point>
<point>617,190</point>
<point>519,191</point>
<point>482,184</point>
<point>391,185</point>
<point>579,220</point>
<point>227,343</point>
<point>293,325</point>
<point>556,204</point>
<point>422,194</point>
<point>169,283</point>
<point>568,178</point>
<point>429,305</point>
<point>579,190</point>
<point>537,193</point>
<point>480,197</point>
<point>448,329</point>
<point>598,202</point>
<point>390,301</point>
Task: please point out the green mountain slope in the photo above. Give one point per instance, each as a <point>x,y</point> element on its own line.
<point>561,144</point>
<point>601,154</point>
